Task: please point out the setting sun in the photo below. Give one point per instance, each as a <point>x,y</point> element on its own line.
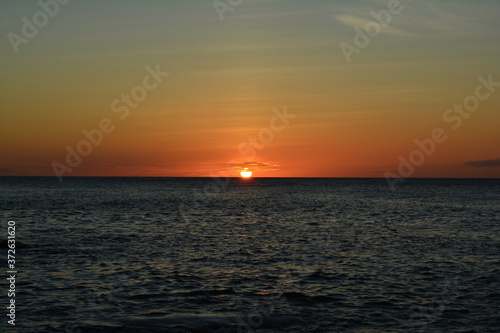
<point>245,173</point>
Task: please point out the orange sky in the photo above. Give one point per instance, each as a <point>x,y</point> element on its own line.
<point>353,116</point>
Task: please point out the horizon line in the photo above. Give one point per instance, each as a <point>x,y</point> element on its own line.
<point>237,177</point>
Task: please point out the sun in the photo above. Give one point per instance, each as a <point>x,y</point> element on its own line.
<point>245,173</point>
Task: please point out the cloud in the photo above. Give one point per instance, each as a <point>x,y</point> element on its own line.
<point>429,19</point>
<point>484,163</point>
<point>354,21</point>
<point>21,170</point>
<point>256,166</point>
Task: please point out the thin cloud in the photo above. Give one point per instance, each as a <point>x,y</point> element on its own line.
<point>484,163</point>
<point>15,170</point>
<point>354,21</point>
<point>260,166</point>
<point>428,19</point>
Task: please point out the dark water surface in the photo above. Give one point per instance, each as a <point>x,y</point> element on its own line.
<point>266,255</point>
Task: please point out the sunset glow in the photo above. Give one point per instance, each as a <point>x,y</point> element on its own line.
<point>177,89</point>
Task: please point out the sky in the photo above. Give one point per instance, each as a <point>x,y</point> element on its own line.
<point>287,88</point>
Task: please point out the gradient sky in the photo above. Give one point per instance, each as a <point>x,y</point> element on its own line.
<point>226,78</point>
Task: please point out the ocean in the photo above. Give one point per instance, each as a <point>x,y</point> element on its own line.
<point>259,255</point>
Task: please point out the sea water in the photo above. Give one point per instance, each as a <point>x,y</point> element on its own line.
<point>259,255</point>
